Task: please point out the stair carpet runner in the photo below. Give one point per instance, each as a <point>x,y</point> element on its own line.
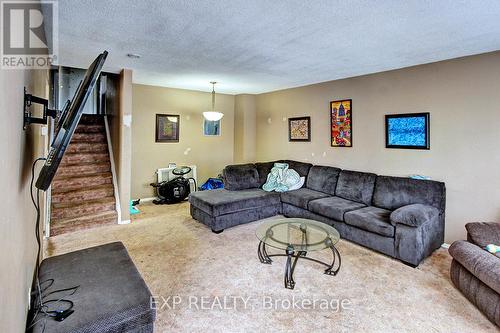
<point>82,191</point>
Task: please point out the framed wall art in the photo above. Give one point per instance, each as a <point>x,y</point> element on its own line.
<point>211,127</point>
<point>407,131</point>
<point>299,129</point>
<point>341,123</point>
<point>167,127</point>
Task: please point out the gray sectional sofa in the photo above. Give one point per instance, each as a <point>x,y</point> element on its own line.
<point>400,217</point>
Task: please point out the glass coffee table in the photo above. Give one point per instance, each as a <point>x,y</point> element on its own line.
<point>297,237</point>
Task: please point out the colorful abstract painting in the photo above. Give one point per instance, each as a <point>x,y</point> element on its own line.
<point>299,129</point>
<point>341,123</point>
<point>167,128</point>
<point>409,130</point>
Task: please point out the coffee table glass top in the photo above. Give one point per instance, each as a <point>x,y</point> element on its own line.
<point>300,234</point>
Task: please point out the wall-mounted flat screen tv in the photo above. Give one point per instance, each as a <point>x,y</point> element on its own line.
<point>67,123</point>
<point>408,131</point>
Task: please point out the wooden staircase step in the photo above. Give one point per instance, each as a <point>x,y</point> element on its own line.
<point>89,207</point>
<point>65,184</point>
<point>88,137</point>
<point>86,147</point>
<point>79,158</point>
<point>87,119</point>
<point>90,128</point>
<point>82,223</point>
<point>82,169</point>
<point>82,195</point>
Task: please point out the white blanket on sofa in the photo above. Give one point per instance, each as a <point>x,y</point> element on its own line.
<point>282,179</point>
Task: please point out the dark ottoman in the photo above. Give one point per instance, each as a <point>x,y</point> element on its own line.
<point>112,296</point>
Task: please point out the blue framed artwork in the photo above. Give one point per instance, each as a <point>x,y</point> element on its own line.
<point>211,128</point>
<point>407,131</point>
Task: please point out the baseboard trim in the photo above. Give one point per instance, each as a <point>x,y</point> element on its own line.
<point>445,245</point>
<point>124,222</point>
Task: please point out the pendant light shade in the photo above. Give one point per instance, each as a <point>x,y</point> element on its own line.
<point>213,115</point>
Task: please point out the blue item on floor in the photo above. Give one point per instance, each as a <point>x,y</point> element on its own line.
<point>133,209</point>
<point>212,184</point>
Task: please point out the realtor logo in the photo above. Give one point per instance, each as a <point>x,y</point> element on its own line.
<point>29,38</point>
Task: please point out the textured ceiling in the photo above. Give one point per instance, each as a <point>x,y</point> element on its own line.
<point>255,46</point>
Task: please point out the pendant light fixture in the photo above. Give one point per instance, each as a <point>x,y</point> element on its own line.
<point>213,115</point>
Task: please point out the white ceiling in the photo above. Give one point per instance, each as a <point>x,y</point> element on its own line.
<point>255,46</point>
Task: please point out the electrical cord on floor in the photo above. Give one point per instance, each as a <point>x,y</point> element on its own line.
<point>51,282</point>
<point>72,289</point>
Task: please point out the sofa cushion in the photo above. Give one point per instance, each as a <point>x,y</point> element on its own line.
<point>241,177</point>
<point>356,186</point>
<point>483,233</point>
<point>394,192</point>
<point>371,219</point>
<point>323,179</point>
<point>301,167</point>
<point>221,201</point>
<point>414,215</point>
<point>301,197</point>
<point>263,168</point>
<point>333,207</point>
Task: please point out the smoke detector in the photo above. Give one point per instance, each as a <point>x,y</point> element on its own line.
<point>133,55</point>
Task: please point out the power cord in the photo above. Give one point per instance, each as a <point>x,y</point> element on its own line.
<point>41,305</point>
<point>37,225</point>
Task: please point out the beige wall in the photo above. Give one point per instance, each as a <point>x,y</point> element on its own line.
<point>244,128</point>
<point>463,97</point>
<point>124,164</point>
<point>17,222</point>
<point>120,129</point>
<point>209,153</point>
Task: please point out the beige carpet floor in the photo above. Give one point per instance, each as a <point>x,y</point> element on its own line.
<point>179,257</point>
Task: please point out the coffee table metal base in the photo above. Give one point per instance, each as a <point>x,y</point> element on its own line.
<point>292,258</point>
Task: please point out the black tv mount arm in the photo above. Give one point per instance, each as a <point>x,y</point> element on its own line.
<point>28,116</point>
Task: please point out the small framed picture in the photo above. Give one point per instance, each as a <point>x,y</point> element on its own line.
<point>299,129</point>
<point>167,127</point>
<point>341,123</point>
<point>211,128</point>
<point>407,130</point>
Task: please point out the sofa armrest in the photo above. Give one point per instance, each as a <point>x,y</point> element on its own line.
<point>414,215</point>
<point>482,264</point>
